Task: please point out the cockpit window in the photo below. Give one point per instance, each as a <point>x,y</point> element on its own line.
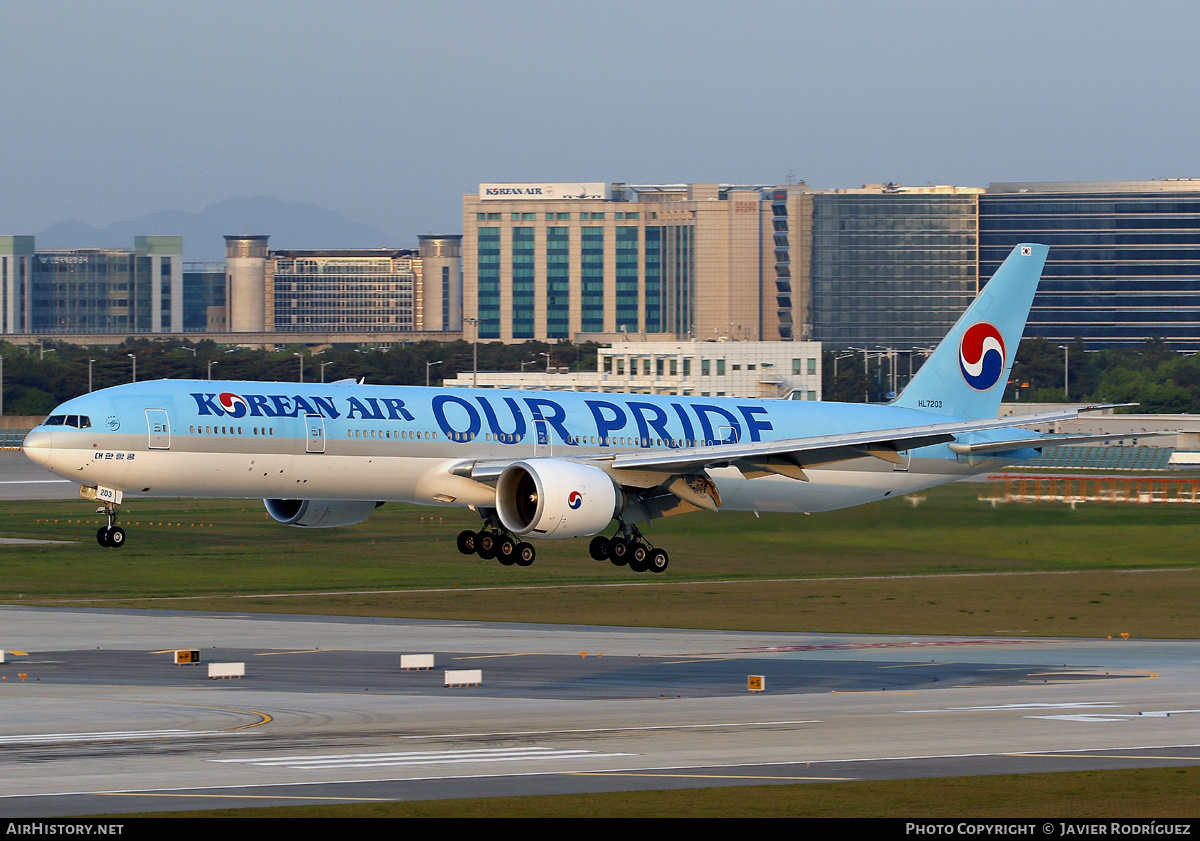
<point>77,421</point>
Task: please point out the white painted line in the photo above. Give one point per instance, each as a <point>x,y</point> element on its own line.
<point>412,758</point>
<point>1083,705</point>
<point>58,738</point>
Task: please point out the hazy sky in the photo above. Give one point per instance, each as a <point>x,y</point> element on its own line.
<point>387,112</point>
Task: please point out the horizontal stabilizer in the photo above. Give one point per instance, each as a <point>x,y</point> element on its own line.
<point>1046,441</point>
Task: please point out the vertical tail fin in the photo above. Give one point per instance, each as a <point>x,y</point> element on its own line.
<point>967,373</point>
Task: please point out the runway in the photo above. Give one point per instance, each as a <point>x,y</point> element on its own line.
<point>20,478</point>
<point>103,721</point>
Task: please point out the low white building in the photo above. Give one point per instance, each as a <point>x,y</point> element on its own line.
<point>697,369</point>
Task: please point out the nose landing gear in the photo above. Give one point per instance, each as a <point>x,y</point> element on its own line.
<point>112,535</point>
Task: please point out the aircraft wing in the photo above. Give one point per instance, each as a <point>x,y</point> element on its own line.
<point>786,457</point>
<point>885,444</point>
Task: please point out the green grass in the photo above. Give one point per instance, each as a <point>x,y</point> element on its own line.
<point>1143,793</point>
<point>950,565</point>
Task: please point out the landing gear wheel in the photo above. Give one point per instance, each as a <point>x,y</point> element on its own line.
<point>637,558</point>
<point>658,561</point>
<point>506,551</point>
<point>485,545</point>
<point>116,537</point>
<point>598,548</point>
<point>102,536</point>
<point>618,551</point>
<point>525,554</point>
<point>467,541</point>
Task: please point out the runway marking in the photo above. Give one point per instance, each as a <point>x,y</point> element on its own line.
<point>1103,756</point>
<point>298,651</point>
<point>60,738</point>
<point>1113,716</point>
<point>706,776</point>
<point>409,758</point>
<point>1094,719</point>
<point>520,654</point>
<point>918,665</point>
<point>851,646</point>
<point>1077,705</point>
<point>242,796</point>
<point>701,658</point>
<point>35,481</point>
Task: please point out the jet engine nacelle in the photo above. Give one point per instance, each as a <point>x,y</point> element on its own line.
<point>320,513</point>
<point>556,498</point>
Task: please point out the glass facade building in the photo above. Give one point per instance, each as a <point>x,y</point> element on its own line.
<point>92,290</point>
<point>370,290</point>
<point>203,297</point>
<point>891,269</point>
<point>1124,261</point>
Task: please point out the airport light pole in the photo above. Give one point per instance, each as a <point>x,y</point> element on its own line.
<point>547,361</point>
<point>133,359</point>
<point>474,353</point>
<point>91,362</point>
<point>429,365</point>
<point>211,363</point>
<point>301,356</point>
<point>323,364</point>
<point>1066,371</point>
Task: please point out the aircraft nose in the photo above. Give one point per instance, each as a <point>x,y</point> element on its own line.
<point>38,445</point>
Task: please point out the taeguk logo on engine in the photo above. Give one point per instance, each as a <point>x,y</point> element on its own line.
<point>981,356</point>
<point>574,500</point>
<point>234,405</point>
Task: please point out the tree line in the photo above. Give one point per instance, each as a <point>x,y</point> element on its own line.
<point>37,377</point>
<point>1151,374</point>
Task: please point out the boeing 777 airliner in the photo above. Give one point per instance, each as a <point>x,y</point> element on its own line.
<point>552,464</point>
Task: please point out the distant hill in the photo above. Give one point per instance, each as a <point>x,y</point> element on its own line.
<point>290,225</point>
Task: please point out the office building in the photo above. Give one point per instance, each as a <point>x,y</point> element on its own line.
<point>92,290</point>
<point>892,266</point>
<point>1124,260</point>
<point>369,290</point>
<point>598,262</point>
<point>204,297</point>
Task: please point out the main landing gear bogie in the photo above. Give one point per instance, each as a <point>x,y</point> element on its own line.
<point>496,544</point>
<point>628,547</point>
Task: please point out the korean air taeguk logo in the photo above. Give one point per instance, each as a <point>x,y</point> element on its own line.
<point>981,356</point>
<point>574,500</point>
<point>234,405</point>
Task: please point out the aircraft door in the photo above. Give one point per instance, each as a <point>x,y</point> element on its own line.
<point>314,438</point>
<point>906,459</point>
<point>542,442</point>
<point>159,426</point>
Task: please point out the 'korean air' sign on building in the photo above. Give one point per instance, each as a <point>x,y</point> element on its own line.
<point>510,192</point>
